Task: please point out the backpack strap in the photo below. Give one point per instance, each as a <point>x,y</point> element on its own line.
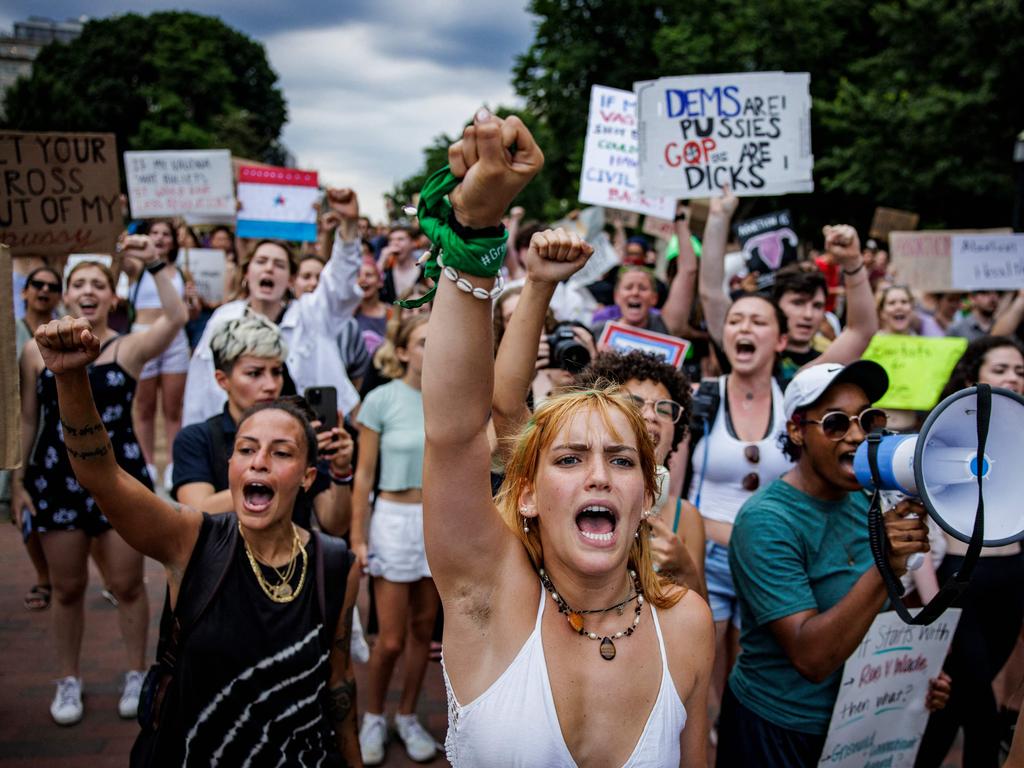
<point>219,448</point>
<point>333,560</point>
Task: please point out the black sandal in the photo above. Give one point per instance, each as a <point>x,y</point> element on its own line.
<point>38,597</point>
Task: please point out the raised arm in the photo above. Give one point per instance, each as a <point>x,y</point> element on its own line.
<point>676,310</point>
<point>861,318</point>
<point>553,256</point>
<point>1010,318</point>
<point>712,262</point>
<point>146,522</point>
<point>458,370</point>
<point>337,294</point>
<point>138,348</point>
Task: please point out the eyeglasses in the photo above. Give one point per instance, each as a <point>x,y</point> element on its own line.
<point>836,424</point>
<point>669,410</point>
<point>751,481</point>
<point>41,284</point>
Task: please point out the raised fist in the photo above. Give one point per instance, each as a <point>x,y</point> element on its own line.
<point>67,344</point>
<point>555,255</point>
<point>139,247</point>
<point>343,202</point>
<point>843,243</point>
<point>491,175</point>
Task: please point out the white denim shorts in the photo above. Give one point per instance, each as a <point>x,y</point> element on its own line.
<point>174,359</point>
<point>396,550</point>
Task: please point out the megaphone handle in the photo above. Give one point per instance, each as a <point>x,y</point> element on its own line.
<point>916,560</point>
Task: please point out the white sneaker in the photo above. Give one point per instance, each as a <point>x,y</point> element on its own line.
<point>373,735</point>
<point>419,744</point>
<point>153,473</point>
<point>67,708</point>
<point>358,648</point>
<point>128,706</point>
<point>169,477</point>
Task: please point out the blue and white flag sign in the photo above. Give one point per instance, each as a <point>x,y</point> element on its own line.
<point>277,203</point>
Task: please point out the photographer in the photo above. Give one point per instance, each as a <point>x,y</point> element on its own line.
<point>248,355</point>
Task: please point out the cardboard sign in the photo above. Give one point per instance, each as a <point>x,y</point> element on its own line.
<point>751,131</point>
<point>918,368</point>
<point>179,182</point>
<point>923,260</point>
<point>10,408</point>
<point>59,193</point>
<point>768,241</point>
<point>879,715</point>
<point>609,174</point>
<point>277,203</point>
<point>206,268</point>
<point>625,338</point>
<point>888,220</point>
<point>988,262</point>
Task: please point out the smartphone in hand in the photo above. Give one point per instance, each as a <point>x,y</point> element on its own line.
<point>324,403</point>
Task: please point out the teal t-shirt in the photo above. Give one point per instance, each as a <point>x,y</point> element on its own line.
<point>395,411</point>
<point>791,552</point>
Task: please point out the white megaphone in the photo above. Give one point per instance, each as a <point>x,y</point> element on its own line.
<point>940,466</point>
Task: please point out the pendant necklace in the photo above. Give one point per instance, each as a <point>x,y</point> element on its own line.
<point>575,618</point>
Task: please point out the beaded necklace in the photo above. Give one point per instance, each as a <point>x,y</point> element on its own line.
<point>575,618</point>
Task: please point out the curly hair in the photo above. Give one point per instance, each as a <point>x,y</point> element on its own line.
<point>619,368</point>
<point>968,367</point>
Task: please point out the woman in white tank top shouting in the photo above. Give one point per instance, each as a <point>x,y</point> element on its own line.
<point>562,647</point>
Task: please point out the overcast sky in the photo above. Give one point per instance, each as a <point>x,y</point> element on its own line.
<point>368,83</point>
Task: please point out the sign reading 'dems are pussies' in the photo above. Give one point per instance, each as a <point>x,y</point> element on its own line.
<point>176,182</point>
<point>749,130</point>
<point>611,156</point>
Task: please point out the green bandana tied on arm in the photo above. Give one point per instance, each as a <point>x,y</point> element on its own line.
<point>480,256</point>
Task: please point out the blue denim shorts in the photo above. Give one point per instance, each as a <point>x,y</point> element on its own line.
<point>721,592</point>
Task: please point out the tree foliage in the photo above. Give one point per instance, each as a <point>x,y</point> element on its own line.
<point>915,102</point>
<point>164,81</point>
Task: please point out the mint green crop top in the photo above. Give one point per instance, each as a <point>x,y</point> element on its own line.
<point>395,411</point>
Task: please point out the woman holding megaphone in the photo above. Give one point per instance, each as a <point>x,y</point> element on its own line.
<point>807,585</point>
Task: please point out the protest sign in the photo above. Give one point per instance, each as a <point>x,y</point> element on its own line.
<point>751,131</point>
<point>879,715</point>
<point>60,193</point>
<point>179,182</point>
<point>10,408</point>
<point>888,220</point>
<point>609,174</point>
<point>923,260</point>
<point>625,338</point>
<point>205,266</point>
<point>988,262</point>
<point>768,241</point>
<point>277,203</point>
<point>918,368</point>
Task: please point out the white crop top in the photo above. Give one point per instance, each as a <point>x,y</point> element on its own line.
<point>146,296</point>
<point>722,493</point>
<point>513,724</point>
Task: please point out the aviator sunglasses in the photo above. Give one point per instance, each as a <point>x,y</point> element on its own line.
<point>836,424</point>
<point>41,284</point>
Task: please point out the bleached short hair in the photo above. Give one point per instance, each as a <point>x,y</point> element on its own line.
<point>249,335</point>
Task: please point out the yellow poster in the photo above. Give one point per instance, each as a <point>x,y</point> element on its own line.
<point>918,368</point>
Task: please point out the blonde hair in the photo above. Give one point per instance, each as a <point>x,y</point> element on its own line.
<point>385,359</point>
<point>524,461</point>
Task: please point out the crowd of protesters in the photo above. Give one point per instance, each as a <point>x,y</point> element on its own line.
<point>702,522</point>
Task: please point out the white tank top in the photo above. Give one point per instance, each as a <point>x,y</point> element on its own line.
<point>723,493</point>
<point>147,297</point>
<point>513,724</point>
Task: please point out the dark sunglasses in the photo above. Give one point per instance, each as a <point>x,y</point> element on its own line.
<point>669,410</point>
<point>751,481</point>
<point>836,425</point>
<point>41,284</point>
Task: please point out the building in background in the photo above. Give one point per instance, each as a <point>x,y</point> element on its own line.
<point>18,49</point>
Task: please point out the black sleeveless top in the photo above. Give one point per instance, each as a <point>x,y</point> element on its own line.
<point>252,676</point>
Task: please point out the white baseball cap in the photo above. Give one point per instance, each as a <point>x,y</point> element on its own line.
<point>810,384</point>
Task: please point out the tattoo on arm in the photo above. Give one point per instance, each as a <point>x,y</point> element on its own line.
<point>93,453</point>
<point>343,700</point>
<point>88,429</point>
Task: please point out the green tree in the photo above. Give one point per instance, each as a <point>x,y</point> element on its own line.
<point>915,102</point>
<point>164,81</point>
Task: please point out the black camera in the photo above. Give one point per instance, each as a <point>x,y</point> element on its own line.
<point>566,351</point>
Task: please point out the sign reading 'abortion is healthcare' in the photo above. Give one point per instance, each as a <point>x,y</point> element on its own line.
<point>751,131</point>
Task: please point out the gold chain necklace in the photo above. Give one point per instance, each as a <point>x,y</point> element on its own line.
<point>281,592</point>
